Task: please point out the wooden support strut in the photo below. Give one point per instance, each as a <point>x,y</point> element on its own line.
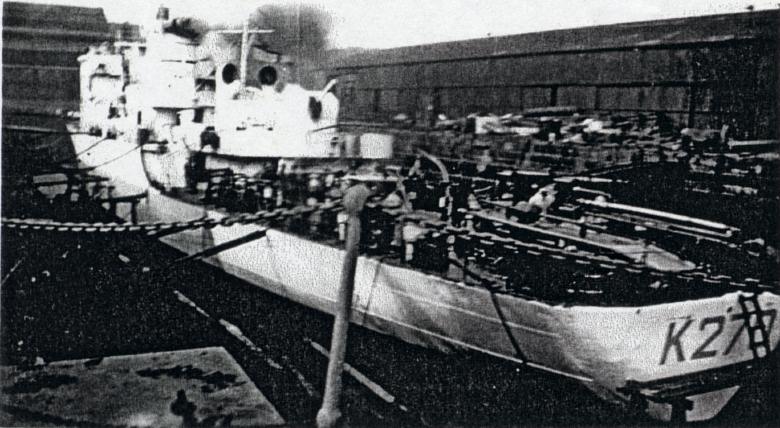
<point>329,414</point>
<point>216,249</point>
<point>133,200</point>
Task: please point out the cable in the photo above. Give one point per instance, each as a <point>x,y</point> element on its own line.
<point>75,156</point>
<point>116,158</point>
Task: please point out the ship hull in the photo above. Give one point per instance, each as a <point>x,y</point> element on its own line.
<point>606,348</point>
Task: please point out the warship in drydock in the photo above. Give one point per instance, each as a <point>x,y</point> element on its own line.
<point>547,271</point>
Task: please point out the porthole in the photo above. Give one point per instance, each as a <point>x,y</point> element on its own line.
<point>229,73</point>
<point>267,75</point>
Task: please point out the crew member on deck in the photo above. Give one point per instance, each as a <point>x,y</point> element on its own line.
<point>543,199</point>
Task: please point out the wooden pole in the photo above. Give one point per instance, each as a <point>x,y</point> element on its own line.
<point>330,414</point>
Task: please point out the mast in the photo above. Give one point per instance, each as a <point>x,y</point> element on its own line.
<point>245,45</point>
<point>244,51</point>
<point>297,42</point>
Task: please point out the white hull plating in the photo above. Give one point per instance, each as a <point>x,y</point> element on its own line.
<point>603,347</point>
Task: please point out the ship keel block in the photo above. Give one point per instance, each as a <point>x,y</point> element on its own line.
<point>693,408</point>
<point>705,406</point>
<point>191,387</point>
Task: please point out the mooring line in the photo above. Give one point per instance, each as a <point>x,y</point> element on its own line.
<point>116,158</point>
<point>500,312</point>
<point>76,155</point>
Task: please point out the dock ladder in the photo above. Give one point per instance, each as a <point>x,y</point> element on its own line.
<point>758,335</point>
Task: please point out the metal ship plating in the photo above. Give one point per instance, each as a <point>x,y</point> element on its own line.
<point>545,272</point>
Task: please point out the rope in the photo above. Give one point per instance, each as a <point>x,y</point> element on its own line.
<point>116,158</point>
<point>500,312</point>
<point>76,155</point>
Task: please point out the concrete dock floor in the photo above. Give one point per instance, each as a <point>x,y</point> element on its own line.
<point>195,387</point>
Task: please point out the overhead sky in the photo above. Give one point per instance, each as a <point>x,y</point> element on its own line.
<point>391,23</point>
